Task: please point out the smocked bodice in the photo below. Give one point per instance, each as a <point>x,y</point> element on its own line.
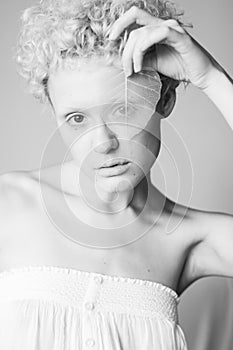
<point>83,308</point>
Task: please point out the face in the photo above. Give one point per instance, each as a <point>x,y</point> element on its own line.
<point>103,116</point>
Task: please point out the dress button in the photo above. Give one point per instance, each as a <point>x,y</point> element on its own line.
<point>98,279</point>
<point>90,342</point>
<point>89,306</point>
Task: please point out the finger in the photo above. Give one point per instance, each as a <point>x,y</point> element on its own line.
<point>134,14</point>
<point>132,57</point>
<point>155,35</point>
<point>138,55</point>
<point>172,23</point>
<point>161,34</point>
<point>138,42</point>
<point>137,59</point>
<point>127,55</point>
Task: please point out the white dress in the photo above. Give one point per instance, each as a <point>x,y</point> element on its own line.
<point>57,308</point>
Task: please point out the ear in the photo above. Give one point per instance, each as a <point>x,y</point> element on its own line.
<point>167,101</point>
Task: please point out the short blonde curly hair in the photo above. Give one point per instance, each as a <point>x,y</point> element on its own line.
<point>55,30</point>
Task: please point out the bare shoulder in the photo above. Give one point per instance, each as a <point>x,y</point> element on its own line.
<point>202,225</point>
<point>206,222</point>
<point>21,189</point>
<point>19,196</point>
<point>190,222</point>
<point>198,222</point>
<point>215,219</point>
<point>21,201</point>
<point>17,189</point>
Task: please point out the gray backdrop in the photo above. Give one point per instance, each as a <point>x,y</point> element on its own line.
<point>206,310</point>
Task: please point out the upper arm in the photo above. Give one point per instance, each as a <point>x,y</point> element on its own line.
<point>213,254</point>
<point>217,247</point>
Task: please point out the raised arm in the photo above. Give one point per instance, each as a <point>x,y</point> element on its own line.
<point>181,57</point>
<point>220,91</point>
<point>176,54</point>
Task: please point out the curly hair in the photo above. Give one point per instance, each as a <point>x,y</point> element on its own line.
<point>58,31</point>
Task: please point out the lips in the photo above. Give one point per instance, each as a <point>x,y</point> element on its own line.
<point>114,162</point>
<point>112,171</point>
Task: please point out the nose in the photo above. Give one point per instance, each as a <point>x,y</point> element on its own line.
<point>105,139</point>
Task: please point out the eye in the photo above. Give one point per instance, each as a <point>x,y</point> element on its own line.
<point>76,117</point>
<point>125,109</point>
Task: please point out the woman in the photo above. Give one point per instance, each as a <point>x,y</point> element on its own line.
<point>73,297</point>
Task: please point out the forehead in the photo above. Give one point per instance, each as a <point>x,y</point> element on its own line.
<point>84,84</point>
<point>92,82</point>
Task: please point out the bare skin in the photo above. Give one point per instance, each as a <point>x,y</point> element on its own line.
<point>31,239</point>
<point>200,246</point>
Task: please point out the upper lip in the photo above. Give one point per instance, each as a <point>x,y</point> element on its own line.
<point>114,162</point>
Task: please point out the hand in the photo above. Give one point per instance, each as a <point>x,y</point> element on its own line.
<point>176,54</point>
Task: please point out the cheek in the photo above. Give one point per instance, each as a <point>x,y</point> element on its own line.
<point>150,137</point>
<point>78,144</point>
<point>145,145</point>
<point>144,151</point>
<point>151,141</point>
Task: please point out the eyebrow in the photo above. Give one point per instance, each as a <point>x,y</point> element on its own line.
<point>73,109</point>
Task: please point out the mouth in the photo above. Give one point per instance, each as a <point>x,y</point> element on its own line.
<point>114,163</point>
<point>114,169</point>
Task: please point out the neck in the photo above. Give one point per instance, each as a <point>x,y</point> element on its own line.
<point>123,205</point>
<point>119,201</point>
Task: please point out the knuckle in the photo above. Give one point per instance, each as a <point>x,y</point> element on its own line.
<point>134,10</point>
<point>133,34</point>
<point>140,32</point>
<point>175,25</point>
<point>188,39</point>
<point>166,30</point>
<point>146,30</point>
<point>172,22</point>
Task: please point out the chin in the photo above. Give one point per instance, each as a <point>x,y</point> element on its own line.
<point>120,183</point>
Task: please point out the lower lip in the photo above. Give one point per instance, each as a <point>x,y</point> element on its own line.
<point>112,171</point>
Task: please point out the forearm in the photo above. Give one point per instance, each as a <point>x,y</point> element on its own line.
<point>220,91</point>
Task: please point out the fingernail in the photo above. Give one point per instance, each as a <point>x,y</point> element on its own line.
<point>128,72</point>
<point>137,69</point>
